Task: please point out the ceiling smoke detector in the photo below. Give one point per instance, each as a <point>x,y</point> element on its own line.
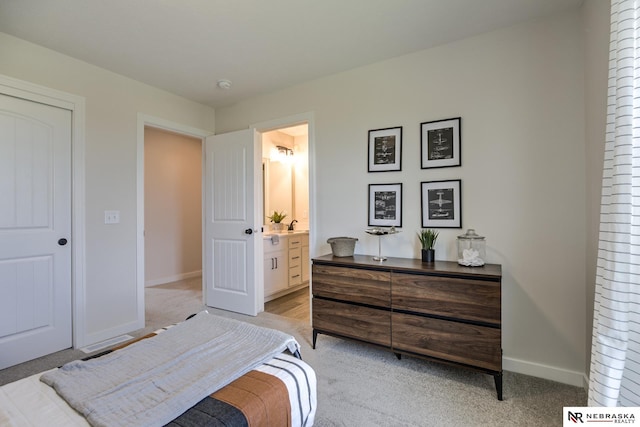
<point>224,84</point>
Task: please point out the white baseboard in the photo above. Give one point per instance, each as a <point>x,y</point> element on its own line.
<point>169,279</point>
<point>574,378</point>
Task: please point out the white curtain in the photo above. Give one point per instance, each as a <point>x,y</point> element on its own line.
<point>615,353</point>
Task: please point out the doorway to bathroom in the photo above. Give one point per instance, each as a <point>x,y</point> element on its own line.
<point>285,172</point>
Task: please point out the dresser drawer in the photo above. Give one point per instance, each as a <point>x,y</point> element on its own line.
<point>362,323</point>
<point>354,285</point>
<point>466,299</point>
<point>472,345</point>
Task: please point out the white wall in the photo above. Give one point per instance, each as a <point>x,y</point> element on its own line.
<point>172,206</point>
<point>112,105</point>
<point>520,93</point>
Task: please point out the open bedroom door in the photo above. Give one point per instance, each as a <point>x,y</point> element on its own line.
<point>233,272</point>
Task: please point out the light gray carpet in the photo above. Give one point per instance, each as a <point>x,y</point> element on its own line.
<point>360,385</point>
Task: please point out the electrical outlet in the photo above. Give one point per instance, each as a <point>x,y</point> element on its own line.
<point>111,217</point>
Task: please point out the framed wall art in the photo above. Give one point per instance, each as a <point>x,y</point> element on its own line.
<point>385,149</point>
<point>441,206</point>
<point>440,143</point>
<point>385,205</point>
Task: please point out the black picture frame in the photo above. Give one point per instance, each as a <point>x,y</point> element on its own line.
<point>385,205</point>
<point>440,143</point>
<point>385,150</point>
<point>441,204</point>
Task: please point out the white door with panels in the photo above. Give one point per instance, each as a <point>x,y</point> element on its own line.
<point>233,221</point>
<point>35,230</point>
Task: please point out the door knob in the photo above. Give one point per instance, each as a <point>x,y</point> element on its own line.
<point>62,242</point>
<point>248,231</point>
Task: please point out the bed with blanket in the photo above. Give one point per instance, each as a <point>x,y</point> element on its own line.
<point>208,370</point>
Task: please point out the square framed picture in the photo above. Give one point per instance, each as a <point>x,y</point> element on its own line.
<point>440,143</point>
<point>385,149</point>
<point>441,206</point>
<point>385,205</point>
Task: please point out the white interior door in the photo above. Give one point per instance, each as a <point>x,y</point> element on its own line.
<point>233,221</point>
<point>35,230</point>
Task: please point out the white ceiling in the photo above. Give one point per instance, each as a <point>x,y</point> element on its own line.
<point>186,46</point>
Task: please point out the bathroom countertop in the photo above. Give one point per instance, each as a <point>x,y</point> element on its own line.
<point>268,234</point>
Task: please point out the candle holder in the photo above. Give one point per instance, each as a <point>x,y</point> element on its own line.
<point>379,231</point>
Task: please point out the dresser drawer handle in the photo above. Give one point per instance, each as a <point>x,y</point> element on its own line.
<point>295,257</point>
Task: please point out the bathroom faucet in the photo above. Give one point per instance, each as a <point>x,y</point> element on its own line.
<point>291,225</point>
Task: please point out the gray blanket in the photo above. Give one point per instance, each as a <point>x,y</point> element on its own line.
<point>151,382</point>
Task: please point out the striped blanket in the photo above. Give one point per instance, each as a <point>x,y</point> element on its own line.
<point>279,393</point>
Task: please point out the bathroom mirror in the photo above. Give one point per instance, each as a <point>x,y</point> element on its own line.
<point>277,189</point>
<point>285,175</point>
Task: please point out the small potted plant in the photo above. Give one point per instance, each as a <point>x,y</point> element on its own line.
<point>276,218</point>
<point>428,239</point>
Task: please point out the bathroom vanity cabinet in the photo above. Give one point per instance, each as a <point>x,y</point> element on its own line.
<point>286,263</point>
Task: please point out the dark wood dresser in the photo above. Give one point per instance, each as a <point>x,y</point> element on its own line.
<point>440,311</point>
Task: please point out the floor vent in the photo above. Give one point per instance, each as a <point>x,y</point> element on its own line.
<point>105,344</point>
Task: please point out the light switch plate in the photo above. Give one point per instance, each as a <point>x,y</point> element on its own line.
<point>111,217</point>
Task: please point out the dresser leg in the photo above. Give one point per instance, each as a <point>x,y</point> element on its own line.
<point>398,355</point>
<point>498,380</point>
<point>315,336</point>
